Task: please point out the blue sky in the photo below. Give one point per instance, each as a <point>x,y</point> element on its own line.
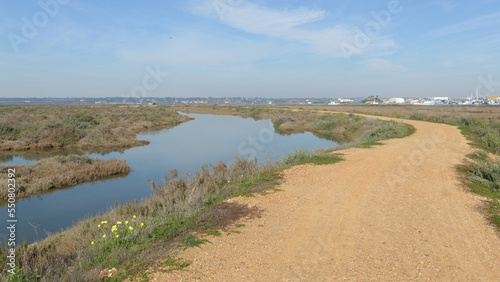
<point>249,48</point>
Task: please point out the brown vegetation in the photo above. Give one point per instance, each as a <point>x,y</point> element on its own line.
<point>340,127</point>
<point>86,127</point>
<point>181,205</point>
<point>408,110</point>
<point>158,222</point>
<point>58,172</point>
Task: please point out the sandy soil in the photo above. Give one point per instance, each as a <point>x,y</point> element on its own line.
<point>392,212</point>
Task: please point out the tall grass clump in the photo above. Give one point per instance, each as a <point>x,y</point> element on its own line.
<point>206,187</point>
<point>482,175</point>
<point>58,172</point>
<point>316,157</point>
<point>129,236</point>
<point>481,169</point>
<point>390,130</point>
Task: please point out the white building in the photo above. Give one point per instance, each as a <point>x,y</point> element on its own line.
<point>343,100</point>
<point>441,98</point>
<point>396,101</point>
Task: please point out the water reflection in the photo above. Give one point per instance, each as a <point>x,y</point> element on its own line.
<point>186,147</point>
<point>30,157</point>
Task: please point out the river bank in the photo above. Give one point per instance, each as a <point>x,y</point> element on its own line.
<point>58,172</point>
<point>179,206</point>
<point>85,127</point>
<point>394,212</point>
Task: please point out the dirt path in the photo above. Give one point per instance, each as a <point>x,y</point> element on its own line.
<point>392,212</point>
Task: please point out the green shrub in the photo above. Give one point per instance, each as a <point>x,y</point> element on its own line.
<point>319,158</point>
<point>390,130</point>
<point>8,132</point>
<point>330,122</point>
<point>483,171</point>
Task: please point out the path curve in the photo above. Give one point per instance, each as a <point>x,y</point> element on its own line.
<point>392,212</point>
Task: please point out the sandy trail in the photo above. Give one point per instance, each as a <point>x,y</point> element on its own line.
<point>392,212</point>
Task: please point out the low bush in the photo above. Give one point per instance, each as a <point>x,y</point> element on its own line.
<point>317,157</point>
<point>58,172</point>
<point>390,130</point>
<point>56,126</point>
<point>483,170</point>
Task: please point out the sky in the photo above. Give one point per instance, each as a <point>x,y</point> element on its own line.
<point>249,48</point>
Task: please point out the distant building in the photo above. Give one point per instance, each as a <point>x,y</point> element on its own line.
<point>441,99</point>
<point>343,100</point>
<point>396,101</point>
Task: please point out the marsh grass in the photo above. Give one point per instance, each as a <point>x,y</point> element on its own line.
<point>181,206</point>
<point>484,171</point>
<point>369,144</point>
<point>316,157</point>
<point>483,132</point>
<point>163,221</point>
<point>87,127</point>
<point>60,171</point>
<point>481,174</point>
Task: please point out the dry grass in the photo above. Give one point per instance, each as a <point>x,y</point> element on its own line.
<point>382,110</point>
<point>179,206</point>
<point>407,110</point>
<point>158,224</point>
<point>338,127</point>
<point>58,172</point>
<point>87,127</point>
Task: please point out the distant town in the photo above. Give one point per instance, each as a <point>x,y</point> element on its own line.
<point>371,100</point>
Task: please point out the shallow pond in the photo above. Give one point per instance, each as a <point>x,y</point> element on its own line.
<point>206,139</point>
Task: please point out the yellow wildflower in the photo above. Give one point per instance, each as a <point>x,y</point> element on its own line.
<point>92,243</point>
<point>104,222</point>
<point>117,235</point>
<point>126,221</point>
<point>104,236</point>
<point>131,228</point>
<point>99,226</point>
<point>118,222</point>
<point>134,216</point>
<point>142,224</point>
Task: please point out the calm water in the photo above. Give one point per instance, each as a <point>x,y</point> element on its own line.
<point>207,139</point>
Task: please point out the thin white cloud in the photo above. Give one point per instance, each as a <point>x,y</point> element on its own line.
<point>468,25</point>
<point>288,25</point>
<point>384,65</point>
<point>198,49</point>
